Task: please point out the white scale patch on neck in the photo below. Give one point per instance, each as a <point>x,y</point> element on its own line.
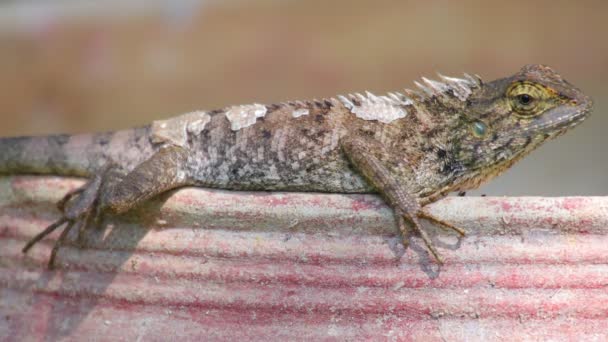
<point>175,130</point>
<point>300,112</point>
<point>245,115</point>
<point>385,109</point>
<point>392,106</point>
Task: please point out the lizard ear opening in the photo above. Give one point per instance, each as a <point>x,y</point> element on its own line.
<point>479,129</point>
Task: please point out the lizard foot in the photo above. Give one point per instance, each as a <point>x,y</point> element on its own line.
<point>417,228</point>
<point>78,207</point>
<point>113,190</point>
<point>443,224</point>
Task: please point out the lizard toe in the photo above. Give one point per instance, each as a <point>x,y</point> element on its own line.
<point>77,207</point>
<point>415,226</point>
<point>441,223</point>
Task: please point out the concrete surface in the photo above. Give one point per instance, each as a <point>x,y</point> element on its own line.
<point>215,265</point>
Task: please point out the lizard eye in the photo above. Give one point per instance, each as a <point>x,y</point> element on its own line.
<point>528,99</point>
<point>525,99</point>
<point>525,104</point>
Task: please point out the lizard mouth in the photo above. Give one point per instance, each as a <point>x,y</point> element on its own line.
<point>561,119</point>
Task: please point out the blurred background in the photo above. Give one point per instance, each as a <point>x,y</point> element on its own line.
<point>75,66</point>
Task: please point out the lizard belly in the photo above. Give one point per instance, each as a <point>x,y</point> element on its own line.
<point>322,175</point>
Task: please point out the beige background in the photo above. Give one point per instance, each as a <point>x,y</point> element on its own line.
<point>81,66</point>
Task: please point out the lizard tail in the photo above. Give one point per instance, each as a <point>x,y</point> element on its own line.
<point>39,155</point>
<point>74,155</point>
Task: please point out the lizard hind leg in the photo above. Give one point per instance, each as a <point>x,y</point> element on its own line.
<point>114,191</point>
<point>76,207</point>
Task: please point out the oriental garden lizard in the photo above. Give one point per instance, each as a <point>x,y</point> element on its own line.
<point>411,147</point>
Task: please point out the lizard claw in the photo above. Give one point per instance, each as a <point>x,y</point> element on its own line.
<point>405,230</point>
<point>415,226</point>
<point>76,207</point>
<point>48,230</point>
<point>441,223</point>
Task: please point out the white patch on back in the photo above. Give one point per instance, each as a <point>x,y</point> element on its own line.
<point>385,109</point>
<point>176,130</point>
<point>392,106</point>
<point>244,116</point>
<point>300,112</point>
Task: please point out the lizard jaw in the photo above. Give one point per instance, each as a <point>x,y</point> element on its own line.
<point>558,120</point>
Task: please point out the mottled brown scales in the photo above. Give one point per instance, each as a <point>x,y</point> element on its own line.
<point>412,147</point>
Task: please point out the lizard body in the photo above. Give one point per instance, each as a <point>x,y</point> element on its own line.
<point>412,147</point>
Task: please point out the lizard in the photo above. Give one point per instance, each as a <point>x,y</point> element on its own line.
<point>413,147</point>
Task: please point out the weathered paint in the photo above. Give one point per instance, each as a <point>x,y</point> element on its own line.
<point>219,265</point>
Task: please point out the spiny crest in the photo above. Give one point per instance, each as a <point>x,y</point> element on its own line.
<point>385,108</point>
<point>393,106</point>
<point>459,87</point>
<point>382,108</point>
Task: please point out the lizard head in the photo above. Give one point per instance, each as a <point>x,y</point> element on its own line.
<point>505,119</point>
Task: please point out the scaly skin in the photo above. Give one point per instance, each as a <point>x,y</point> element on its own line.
<point>413,147</point>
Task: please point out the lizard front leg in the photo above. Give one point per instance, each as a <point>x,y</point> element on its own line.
<point>396,194</point>
<point>114,191</point>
